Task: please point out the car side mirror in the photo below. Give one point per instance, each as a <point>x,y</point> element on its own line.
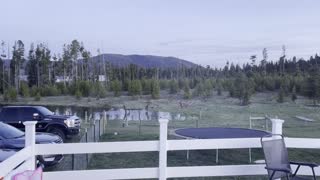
<point>36,116</point>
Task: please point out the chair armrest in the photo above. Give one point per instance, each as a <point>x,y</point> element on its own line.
<point>312,165</point>
<point>282,169</point>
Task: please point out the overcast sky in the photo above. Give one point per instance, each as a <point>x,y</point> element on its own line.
<point>206,32</point>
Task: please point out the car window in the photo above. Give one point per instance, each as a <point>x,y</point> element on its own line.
<point>27,113</point>
<point>11,114</point>
<point>44,111</point>
<point>9,132</point>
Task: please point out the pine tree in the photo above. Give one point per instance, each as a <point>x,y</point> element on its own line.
<point>75,53</point>
<point>174,87</point>
<point>219,88</point>
<point>116,87</point>
<point>155,89</point>
<point>208,87</point>
<point>281,95</point>
<point>146,86</point>
<point>32,67</point>
<point>294,94</point>
<point>135,88</point>
<point>187,94</point>
<point>16,63</point>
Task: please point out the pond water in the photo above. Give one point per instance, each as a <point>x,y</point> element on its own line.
<point>119,113</point>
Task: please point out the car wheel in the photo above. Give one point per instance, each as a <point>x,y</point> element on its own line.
<point>58,132</point>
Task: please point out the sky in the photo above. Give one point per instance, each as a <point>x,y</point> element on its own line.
<point>206,32</point>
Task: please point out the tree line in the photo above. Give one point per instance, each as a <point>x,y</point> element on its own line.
<point>80,75</point>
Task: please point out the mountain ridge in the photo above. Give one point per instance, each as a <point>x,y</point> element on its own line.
<point>147,61</point>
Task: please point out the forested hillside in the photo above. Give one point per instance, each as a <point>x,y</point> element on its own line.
<point>75,72</point>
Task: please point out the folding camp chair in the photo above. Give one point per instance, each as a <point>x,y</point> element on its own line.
<point>276,157</point>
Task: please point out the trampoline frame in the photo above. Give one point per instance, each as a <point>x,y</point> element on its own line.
<point>227,128</point>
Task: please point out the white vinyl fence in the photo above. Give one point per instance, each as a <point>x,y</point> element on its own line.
<point>163,145</point>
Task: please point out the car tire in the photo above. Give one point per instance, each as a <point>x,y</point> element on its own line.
<point>58,132</point>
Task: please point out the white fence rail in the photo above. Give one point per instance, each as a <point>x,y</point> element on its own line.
<point>162,146</point>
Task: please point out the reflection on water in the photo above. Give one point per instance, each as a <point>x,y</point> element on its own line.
<point>141,114</point>
<point>119,113</point>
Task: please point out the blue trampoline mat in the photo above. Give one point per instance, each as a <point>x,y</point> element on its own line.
<point>220,133</point>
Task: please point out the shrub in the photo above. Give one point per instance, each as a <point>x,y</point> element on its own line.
<point>281,95</point>
<point>294,94</point>
<point>163,84</point>
<point>126,84</point>
<point>84,87</point>
<point>199,90</point>
<point>12,94</point>
<point>37,97</point>
<point>181,83</point>
<point>174,87</point>
<point>155,89</point>
<point>135,88</point>
<point>187,94</point>
<point>49,91</point>
<point>219,89</point>
<point>34,91</point>
<point>116,87</point>
<point>24,90</point>
<point>99,91</point>
<point>245,99</point>
<point>78,94</point>
<point>6,96</point>
<point>62,89</point>
<point>146,86</point>
<point>72,87</point>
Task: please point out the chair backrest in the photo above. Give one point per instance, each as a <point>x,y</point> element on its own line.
<point>275,153</point>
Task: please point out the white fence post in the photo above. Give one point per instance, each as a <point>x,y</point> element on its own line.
<point>277,126</point>
<point>30,130</point>
<point>163,149</point>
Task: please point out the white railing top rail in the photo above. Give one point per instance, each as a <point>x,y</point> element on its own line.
<point>173,145</point>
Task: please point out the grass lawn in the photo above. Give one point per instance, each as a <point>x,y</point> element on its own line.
<point>216,111</point>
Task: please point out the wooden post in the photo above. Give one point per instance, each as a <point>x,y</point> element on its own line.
<point>86,116</point>
<point>217,156</point>
<point>267,124</point>
<point>250,156</point>
<point>200,116</point>
<point>104,121</point>
<point>139,124</point>
<point>30,127</point>
<point>87,156</point>
<point>163,149</point>
<point>94,130</point>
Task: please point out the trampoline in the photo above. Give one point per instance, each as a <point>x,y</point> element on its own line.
<point>220,133</point>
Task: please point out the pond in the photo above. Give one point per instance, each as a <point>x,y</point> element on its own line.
<point>119,113</point>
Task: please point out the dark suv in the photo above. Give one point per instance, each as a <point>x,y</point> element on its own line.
<point>61,125</point>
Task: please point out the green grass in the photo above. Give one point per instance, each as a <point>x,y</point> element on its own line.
<point>220,111</point>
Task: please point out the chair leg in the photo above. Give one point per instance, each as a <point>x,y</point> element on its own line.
<point>295,172</point>
<point>288,177</point>
<point>272,175</point>
<point>314,174</point>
